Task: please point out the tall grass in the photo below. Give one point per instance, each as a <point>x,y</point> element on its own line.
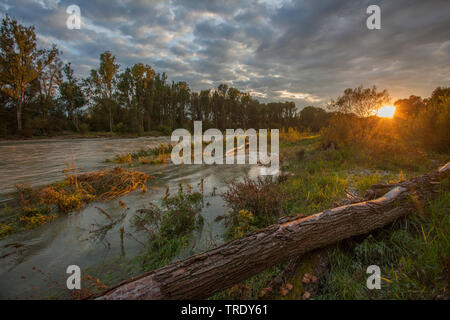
<point>413,254</point>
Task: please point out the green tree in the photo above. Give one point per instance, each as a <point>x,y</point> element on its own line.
<point>102,84</point>
<point>21,62</point>
<point>71,95</point>
<point>363,102</point>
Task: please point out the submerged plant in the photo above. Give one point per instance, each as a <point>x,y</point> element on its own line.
<point>155,155</point>
<point>169,226</point>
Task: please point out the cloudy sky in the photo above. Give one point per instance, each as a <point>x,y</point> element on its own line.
<point>306,51</point>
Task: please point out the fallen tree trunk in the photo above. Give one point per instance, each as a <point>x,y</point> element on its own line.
<point>202,275</point>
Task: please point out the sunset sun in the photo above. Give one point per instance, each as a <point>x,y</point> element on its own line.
<point>386,112</point>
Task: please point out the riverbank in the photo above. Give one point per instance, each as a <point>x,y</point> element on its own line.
<point>412,253</point>
<point>106,247</point>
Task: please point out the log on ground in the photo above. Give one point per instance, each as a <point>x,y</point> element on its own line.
<point>202,275</point>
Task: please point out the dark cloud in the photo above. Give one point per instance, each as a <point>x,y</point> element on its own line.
<point>307,51</point>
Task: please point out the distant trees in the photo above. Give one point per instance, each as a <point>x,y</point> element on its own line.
<point>313,118</point>
<point>409,108</point>
<point>432,123</point>
<point>418,124</point>
<point>102,84</point>
<point>40,95</point>
<point>71,96</point>
<point>136,90</point>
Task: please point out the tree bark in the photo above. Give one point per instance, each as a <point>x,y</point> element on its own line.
<point>19,114</point>
<point>202,275</point>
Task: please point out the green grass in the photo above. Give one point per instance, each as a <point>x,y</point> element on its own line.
<point>413,265</point>
<point>413,254</point>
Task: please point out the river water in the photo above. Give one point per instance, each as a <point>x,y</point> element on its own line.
<point>33,262</point>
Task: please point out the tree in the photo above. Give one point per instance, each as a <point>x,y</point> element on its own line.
<point>313,118</point>
<point>71,95</point>
<point>136,92</point>
<point>432,124</point>
<point>363,102</point>
<point>409,108</point>
<point>103,84</point>
<point>21,61</point>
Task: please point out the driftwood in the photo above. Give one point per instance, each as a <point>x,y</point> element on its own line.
<point>202,275</point>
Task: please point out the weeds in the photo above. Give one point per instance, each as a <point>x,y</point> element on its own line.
<point>156,155</point>
<point>169,226</point>
<point>262,198</point>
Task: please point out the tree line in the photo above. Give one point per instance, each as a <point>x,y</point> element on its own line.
<point>40,95</point>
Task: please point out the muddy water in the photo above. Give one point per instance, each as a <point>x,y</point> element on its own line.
<point>39,162</point>
<point>32,261</point>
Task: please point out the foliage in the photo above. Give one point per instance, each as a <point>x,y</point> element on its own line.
<point>362,102</point>
<point>313,118</point>
<point>155,155</point>
<point>169,226</point>
<point>262,197</point>
<point>290,135</point>
<point>432,124</point>
<point>21,62</point>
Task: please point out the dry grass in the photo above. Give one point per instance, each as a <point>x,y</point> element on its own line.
<point>35,207</point>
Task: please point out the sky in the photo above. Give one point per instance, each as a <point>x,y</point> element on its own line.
<point>278,50</point>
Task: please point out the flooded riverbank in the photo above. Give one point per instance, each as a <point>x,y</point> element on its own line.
<point>33,260</point>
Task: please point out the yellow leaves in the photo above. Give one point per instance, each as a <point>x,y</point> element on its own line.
<point>5,230</point>
<point>291,135</point>
<point>36,220</point>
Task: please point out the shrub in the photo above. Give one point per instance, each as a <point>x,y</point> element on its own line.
<point>432,125</point>
<point>263,197</point>
<point>290,135</point>
<point>169,226</point>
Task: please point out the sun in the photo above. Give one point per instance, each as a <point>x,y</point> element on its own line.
<point>386,112</point>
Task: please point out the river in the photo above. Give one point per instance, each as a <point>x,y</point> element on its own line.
<point>34,262</point>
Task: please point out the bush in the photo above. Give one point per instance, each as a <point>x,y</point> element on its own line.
<point>432,125</point>
<point>83,127</point>
<point>378,137</point>
<point>263,197</point>
<point>166,130</point>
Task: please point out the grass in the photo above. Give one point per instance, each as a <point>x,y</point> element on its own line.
<point>413,253</point>
<point>155,155</point>
<point>169,227</point>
